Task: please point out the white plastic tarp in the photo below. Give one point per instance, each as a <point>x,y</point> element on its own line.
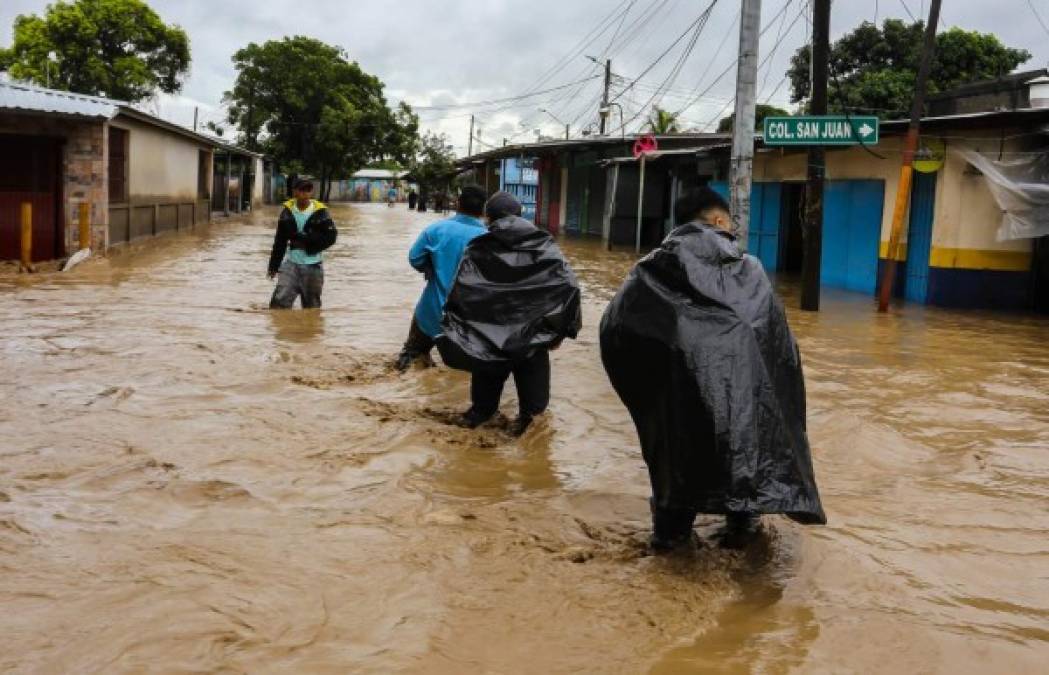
<point>1020,185</point>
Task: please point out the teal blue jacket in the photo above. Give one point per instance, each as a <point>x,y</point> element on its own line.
<point>436,253</point>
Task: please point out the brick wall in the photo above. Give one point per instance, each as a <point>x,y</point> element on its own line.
<point>85,176</point>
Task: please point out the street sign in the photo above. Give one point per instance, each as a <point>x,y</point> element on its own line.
<point>645,145</point>
<point>821,130</point>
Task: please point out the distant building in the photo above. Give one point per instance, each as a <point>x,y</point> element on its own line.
<point>370,185</point>
<point>141,176</point>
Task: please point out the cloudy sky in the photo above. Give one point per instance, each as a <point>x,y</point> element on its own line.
<point>451,58</point>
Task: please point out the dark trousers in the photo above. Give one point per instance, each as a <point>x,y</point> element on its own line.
<point>531,377</point>
<point>671,524</point>
<point>294,281</point>
<point>418,342</point>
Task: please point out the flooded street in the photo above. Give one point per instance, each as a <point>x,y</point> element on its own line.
<point>192,483</point>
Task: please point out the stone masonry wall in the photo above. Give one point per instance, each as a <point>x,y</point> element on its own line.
<point>85,176</point>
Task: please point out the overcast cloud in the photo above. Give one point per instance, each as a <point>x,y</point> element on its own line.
<point>441,52</point>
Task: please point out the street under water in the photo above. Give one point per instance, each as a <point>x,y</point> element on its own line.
<point>190,482</point>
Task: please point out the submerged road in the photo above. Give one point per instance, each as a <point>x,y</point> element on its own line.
<point>192,483</point>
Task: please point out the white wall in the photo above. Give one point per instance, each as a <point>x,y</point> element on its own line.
<point>160,163</point>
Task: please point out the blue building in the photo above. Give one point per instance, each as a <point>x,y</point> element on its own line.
<point>520,177</point>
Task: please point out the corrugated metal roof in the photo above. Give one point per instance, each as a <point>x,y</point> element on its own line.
<point>379,173</point>
<point>14,96</point>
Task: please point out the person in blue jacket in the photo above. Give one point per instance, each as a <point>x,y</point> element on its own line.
<point>436,254</point>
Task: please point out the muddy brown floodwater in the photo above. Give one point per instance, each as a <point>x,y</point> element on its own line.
<point>191,483</point>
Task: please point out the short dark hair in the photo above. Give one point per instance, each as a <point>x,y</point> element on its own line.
<point>696,202</point>
<point>471,200</point>
<point>303,184</point>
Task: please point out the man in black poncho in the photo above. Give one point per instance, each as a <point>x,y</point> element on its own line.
<point>697,346</point>
<point>514,299</point>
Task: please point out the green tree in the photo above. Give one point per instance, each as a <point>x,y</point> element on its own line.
<point>115,48</point>
<point>761,111</point>
<point>432,165</point>
<point>301,101</point>
<point>874,69</point>
<point>662,122</point>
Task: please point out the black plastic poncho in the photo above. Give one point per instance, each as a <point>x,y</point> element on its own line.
<point>513,294</point>
<point>697,346</point>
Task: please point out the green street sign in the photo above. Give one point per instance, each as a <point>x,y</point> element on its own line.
<point>821,130</point>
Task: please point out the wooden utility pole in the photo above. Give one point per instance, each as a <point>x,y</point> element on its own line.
<point>27,237</point>
<point>604,112</point>
<point>910,145</point>
<point>470,144</point>
<point>742,163</point>
<point>812,260</point>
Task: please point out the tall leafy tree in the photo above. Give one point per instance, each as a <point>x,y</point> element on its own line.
<point>432,165</point>
<point>303,102</point>
<point>116,48</point>
<point>761,111</point>
<point>874,69</point>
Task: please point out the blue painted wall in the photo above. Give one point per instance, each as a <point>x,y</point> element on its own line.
<point>763,237</point>
<point>919,237</point>
<point>852,214</point>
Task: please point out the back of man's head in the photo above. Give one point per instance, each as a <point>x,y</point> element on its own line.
<point>471,201</point>
<point>501,205</point>
<point>704,205</point>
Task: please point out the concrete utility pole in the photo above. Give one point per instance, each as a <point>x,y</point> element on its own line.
<point>603,116</point>
<point>196,113</point>
<point>470,145</point>
<point>566,132</point>
<point>910,146</point>
<point>812,259</point>
<point>742,163</point>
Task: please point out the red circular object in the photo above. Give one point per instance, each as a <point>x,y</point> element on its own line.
<point>645,145</point>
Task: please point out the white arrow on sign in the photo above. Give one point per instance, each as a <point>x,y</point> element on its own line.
<point>866,130</point>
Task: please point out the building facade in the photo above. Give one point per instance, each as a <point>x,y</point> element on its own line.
<point>139,175</point>
<point>953,253</point>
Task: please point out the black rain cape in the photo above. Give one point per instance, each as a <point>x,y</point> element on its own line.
<point>697,346</point>
<point>513,294</point>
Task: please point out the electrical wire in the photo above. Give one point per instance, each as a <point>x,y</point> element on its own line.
<point>1038,16</point>
<point>909,12</point>
<point>767,58</point>
<point>689,29</point>
<point>497,101</point>
<point>732,65</point>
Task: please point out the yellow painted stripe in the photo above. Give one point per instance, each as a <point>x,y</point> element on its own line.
<point>901,255</point>
<point>968,258</point>
<point>980,259</point>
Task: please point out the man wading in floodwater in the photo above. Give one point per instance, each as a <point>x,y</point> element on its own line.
<point>436,254</point>
<point>304,229</point>
<point>514,299</point>
<point>697,346</point>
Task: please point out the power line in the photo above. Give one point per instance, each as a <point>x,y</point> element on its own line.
<point>497,101</point>
<point>689,29</point>
<point>696,27</point>
<point>1038,16</point>
<point>909,12</point>
<point>732,65</point>
<point>767,58</point>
